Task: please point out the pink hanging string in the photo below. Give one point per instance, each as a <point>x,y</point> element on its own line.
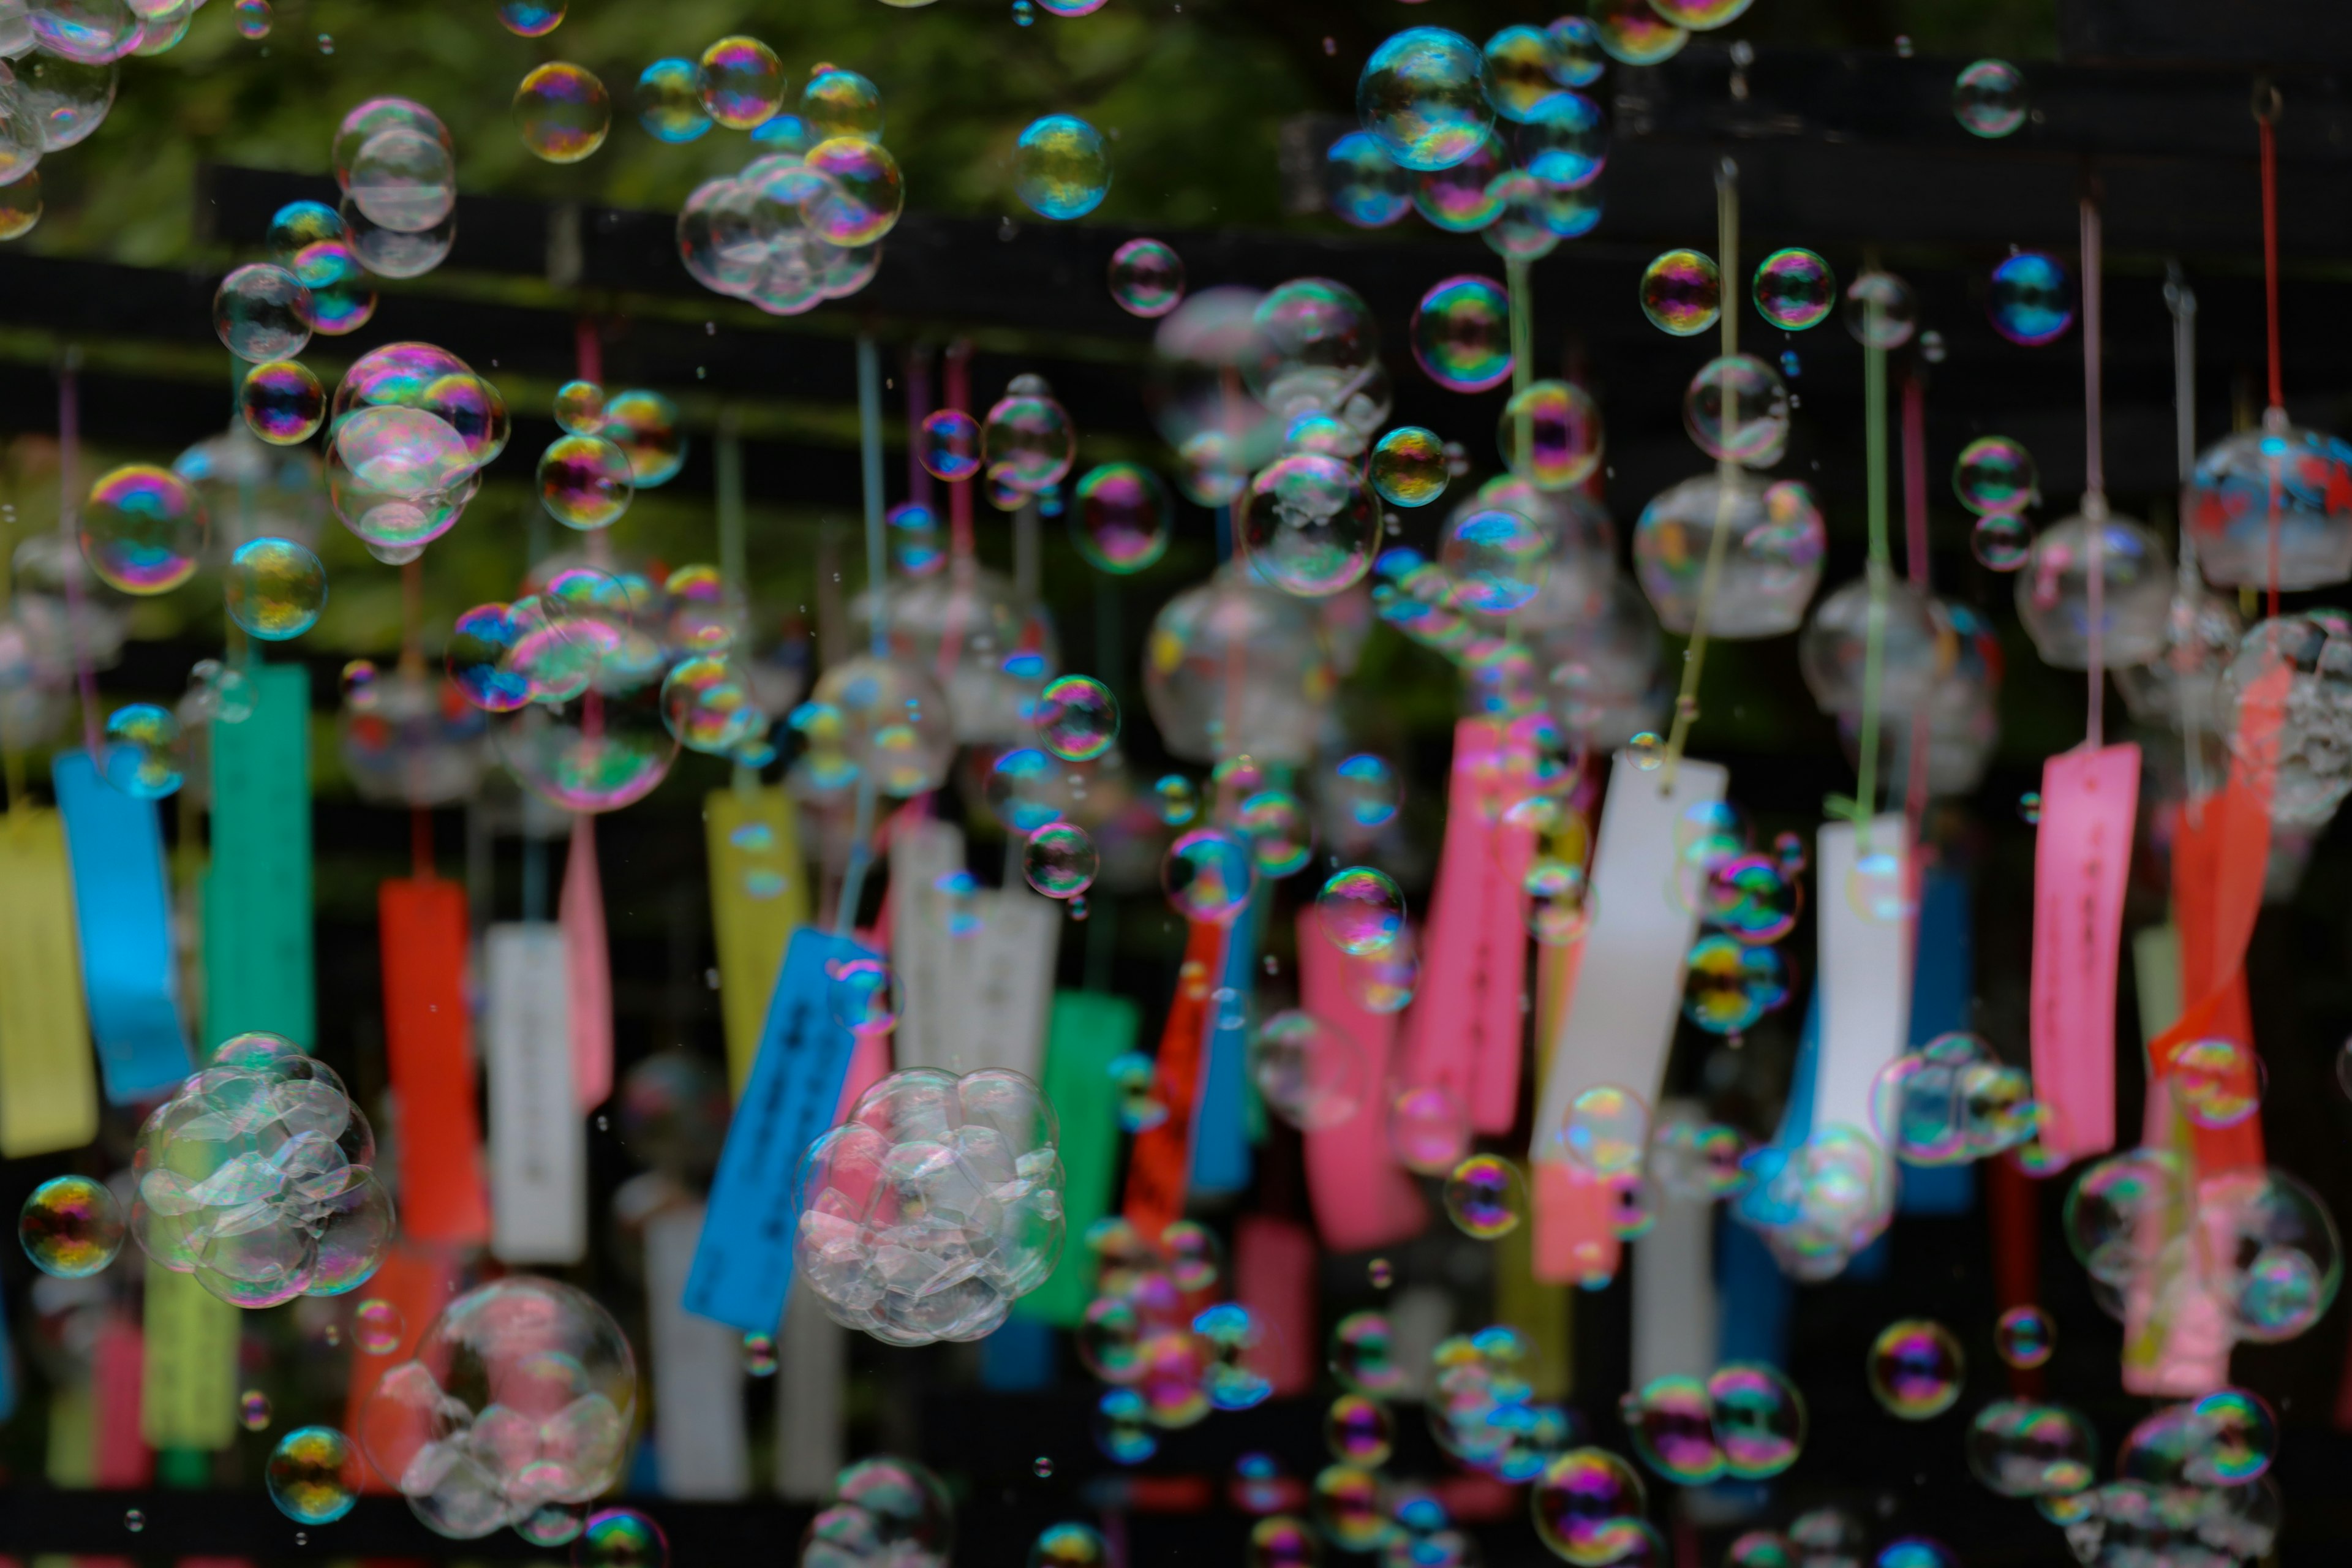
<point>2095,481</point>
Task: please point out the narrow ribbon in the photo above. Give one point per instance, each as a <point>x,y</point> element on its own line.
<point>2081,858</point>
<point>189,1380</point>
<point>124,917</point>
<point>258,970</point>
<point>48,1086</point>
<point>589,962</point>
<point>759,893</point>
<point>1090,1031</point>
<point>1675,1306</point>
<point>1362,1197</point>
<point>428,1041</point>
<point>1156,1165</point>
<point>539,1143</point>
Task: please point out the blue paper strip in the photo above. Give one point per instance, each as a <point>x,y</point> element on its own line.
<point>743,1264</point>
<point>1942,978</point>
<point>1018,1358</point>
<point>114,843</point>
<point>1221,1148</point>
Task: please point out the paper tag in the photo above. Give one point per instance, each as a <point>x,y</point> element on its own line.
<point>429,1047</point>
<point>122,914</point>
<point>1156,1165</point>
<point>759,893</point>
<point>1362,1197</point>
<point>744,1264</point>
<point>1942,983</point>
<point>930,932</point>
<point>1865,981</point>
<point>1273,1277</point>
<point>1089,1032</point>
<point>1539,1311</point>
<point>1620,1019</point>
<point>1674,1323</point>
<point>699,1441</point>
<point>189,1386</point>
<point>258,970</point>
<point>589,966</point>
<point>119,1454</point>
<point>417,1281</point>
<point>48,1086</point>
<point>538,1143</point>
<point>2083,851</point>
<point>1220,1150</point>
<point>812,1381</point>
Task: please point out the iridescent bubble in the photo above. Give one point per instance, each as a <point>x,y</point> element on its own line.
<point>1120,517</point>
<point>580,407</point>
<point>1361,910</point>
<point>708,704</point>
<point>263,313</point>
<point>1362,1354</point>
<point>20,205</point>
<point>253,1410</point>
<point>1462,334</point>
<point>1460,198</point>
<point>742,82</point>
<point>1562,441</point>
<point>1917,1369</point>
<point>621,1538</point>
<point>343,299</point>
<point>377,1327</point>
<point>1634,32</point>
<point>1576,59</point>
<point>1429,1128</point>
<point>275,588</point>
<point>1988,99</point>
<point>1565,143</point>
<point>1239,1343</point>
<point>1588,1507</point>
<point>1730,985</point>
<point>1347,1509</point>
<point>1135,1080</point>
<point>1195,1260</point>
<point>1993,475</point>
<point>1122,1429</point>
<point>1362,185</point>
<point>1759,1419</point>
<point>253,18</point>
<point>1682,292</point>
<point>282,402</point>
<point>1308,526</point>
<point>2032,300</point>
<point>1078,718</point>
<point>1672,1424</point>
<point>1069,1545</point>
<point>1486,1196</point>
<point>142,529</point>
<point>1880,312</point>
<point>2022,1450</point>
<point>531,18</point>
<point>1423,96</point>
<point>1759,1548</point>
<point>839,102</point>
<point>480,643</point>
<point>950,445</point>
<point>1366,790</point>
<point>313,1475</point>
<point>1178,801</point>
<point>1358,1430</point>
<point>2237,1437</point>
<point>1795,289</point>
<point>867,195</point>
<point>1309,1073</point>
<point>863,995</point>
<point>1606,1131</point>
<point>2217,1082</point>
<point>563,112</point>
<point>1027,442</point>
<point>1061,168</point>
<point>1059,860</point>
<point>1147,278</point>
<point>2025,1336</point>
<point>1280,831</point>
<point>1494,559</point>
<point>1407,466</point>
<point>1208,874</point>
<point>401,174</point>
<point>297,225</point>
<point>2002,542</point>
<point>70,1227</point>
<point>584,482</point>
<point>1519,61</point>
<point>1560,901</point>
<point>669,101</point>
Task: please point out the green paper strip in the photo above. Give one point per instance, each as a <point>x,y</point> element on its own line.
<point>257,909</point>
<point>187,1396</point>
<point>1088,1032</point>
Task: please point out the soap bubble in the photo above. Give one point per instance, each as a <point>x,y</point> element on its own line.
<point>1362,1354</point>
<point>531,18</point>
<point>1358,1430</point>
<point>282,402</point>
<point>1795,289</point>
<point>1700,16</point>
<point>1915,1368</point>
<point>90,32</point>
<point>67,100</point>
<point>1560,901</point>
<point>1682,292</point>
<point>2025,1336</point>
<point>1308,526</point>
<point>931,1174</point>
<point>1563,435</point>
<point>1759,1419</point>
<point>1771,566</point>
<point>1121,1428</point>
<point>1366,790</point>
<point>1606,1131</point>
<point>2216,1082</point>
<point>1407,466</point>
<point>1281,836</point>
<point>1989,97</point>
<point>838,102</point>
<point>1027,442</point>
<point>253,1410</point>
<point>1423,96</point>
<point>742,82</point>
<point>708,704</point>
<point>866,196</point>
<point>1462,334</point>
<point>1120,517</point>
<point>480,641</point>
<point>1494,559</point>
<point>649,430</point>
<point>401,174</point>
<point>1361,910</point>
<point>950,445</point>
<point>1672,1424</point>
<point>1147,278</point>
<point>1461,198</point>
<point>1078,718</point>
<point>2032,300</point>
<point>2237,1437</point>
<point>377,1327</point>
<point>1518,62</point>
<point>142,529</point>
<point>1179,801</point>
<point>1059,860</point>
<point>1208,874</point>
<point>563,112</point>
<point>275,588</point>
<point>20,205</point>
<point>1347,1500</point>
<point>262,311</point>
<point>1880,312</point>
<point>313,1475</point>
<point>1239,1343</point>
<point>1752,394</point>
<point>584,482</point>
<point>1310,1073</point>
<point>2002,541</point>
<point>1362,185</point>
<point>1061,168</point>
<point>1486,1197</point>
<point>669,101</point>
<point>1429,1128</point>
<point>1994,475</point>
<point>70,1227</point>
<point>1730,985</point>
<point>2023,1450</point>
<point>1588,1507</point>
<point>1565,143</point>
<point>2269,1248</point>
<point>620,1538</point>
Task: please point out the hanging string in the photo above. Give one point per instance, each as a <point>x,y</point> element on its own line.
<point>1915,568</point>
<point>2095,482</point>
<point>919,406</point>
<point>734,561</point>
<point>1726,472</point>
<point>2266,110</point>
<point>70,543</point>
<point>869,443</point>
<point>1881,566</point>
<point>959,378</point>
<point>2182,301</point>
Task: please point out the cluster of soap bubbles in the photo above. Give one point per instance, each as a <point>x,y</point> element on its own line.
<point>397,218</point>
<point>2193,1480</point>
<point>884,1512</point>
<point>1745,1421</point>
<point>411,427</point>
<point>1995,477</point>
<point>1832,1537</point>
<point>61,83</point>
<point>1952,1101</point>
<point>610,447</point>
<point>516,1409</point>
<point>933,1207</point>
<point>1818,1201</point>
<point>1499,142</point>
<point>1481,1391</point>
<point>803,222</point>
<point>2256,1244</point>
<point>1168,1364</point>
<point>257,1176</point>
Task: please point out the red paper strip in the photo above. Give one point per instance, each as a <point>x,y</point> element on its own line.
<point>588,961</point>
<point>2010,1204</point>
<point>2088,802</point>
<point>419,1281</point>
<point>428,1039</point>
<point>1156,1167</point>
<point>1362,1197</point>
<point>1273,1277</point>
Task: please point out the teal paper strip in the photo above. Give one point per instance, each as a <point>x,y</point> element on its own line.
<point>258,973</point>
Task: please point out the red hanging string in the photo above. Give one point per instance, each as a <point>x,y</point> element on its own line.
<point>2266,106</point>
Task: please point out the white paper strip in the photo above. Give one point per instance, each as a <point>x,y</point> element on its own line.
<point>539,1143</point>
<point>920,948</point>
<point>1674,1308</point>
<point>1629,982</point>
<point>812,1372</point>
<point>700,1448</point>
<point>1865,975</point>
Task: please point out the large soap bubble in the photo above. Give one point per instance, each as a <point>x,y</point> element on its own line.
<point>885,1512</point>
<point>1232,667</point>
<point>933,1207</point>
<point>1771,562</point>
<point>1424,98</point>
<point>520,1397</point>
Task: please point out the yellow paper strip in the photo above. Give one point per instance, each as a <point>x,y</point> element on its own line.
<point>49,1078</point>
<point>1540,1311</point>
<point>72,1461</point>
<point>758,892</point>
<point>188,1394</point>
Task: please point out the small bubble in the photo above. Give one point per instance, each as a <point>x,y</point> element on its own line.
<point>1043,1466</point>
<point>604,1123</point>
<point>1381,1272</point>
<point>1331,46</point>
<point>325,43</point>
<point>134,1519</point>
<point>1903,45</point>
<point>2028,805</point>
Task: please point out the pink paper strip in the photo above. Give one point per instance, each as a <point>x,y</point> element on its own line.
<point>588,957</point>
<point>118,1366</point>
<point>1503,968</point>
<point>1362,1197</point>
<point>869,1064</point>
<point>1576,1240</point>
<point>1273,1277</point>
<point>2088,802</point>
